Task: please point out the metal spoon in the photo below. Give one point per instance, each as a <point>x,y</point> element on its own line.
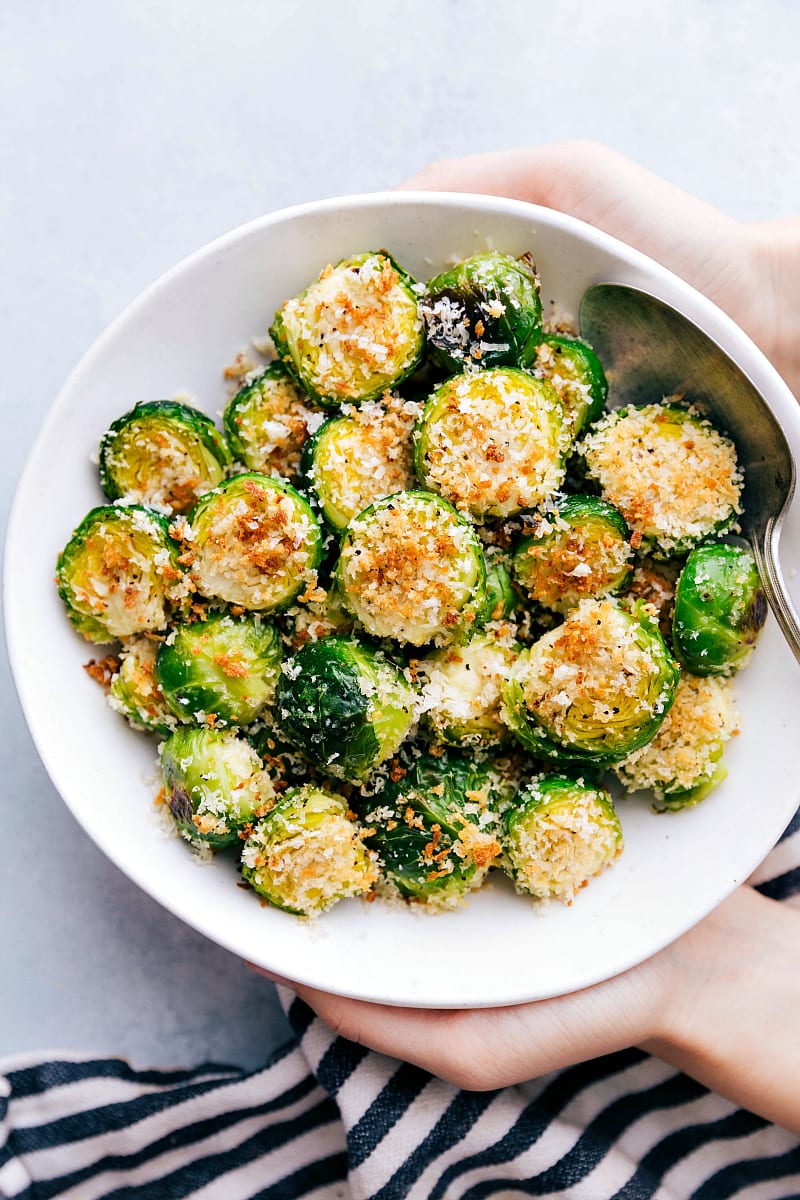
<point>650,351</point>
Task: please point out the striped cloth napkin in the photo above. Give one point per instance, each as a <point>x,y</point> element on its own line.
<point>327,1120</point>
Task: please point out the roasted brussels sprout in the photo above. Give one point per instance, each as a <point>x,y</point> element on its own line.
<point>356,459</point>
<point>118,575</point>
<point>307,853</point>
<point>654,582</point>
<point>575,372</point>
<point>580,548</point>
<point>492,442</point>
<point>595,688</point>
<point>412,569</point>
<point>501,599</point>
<point>267,423</point>
<point>560,832</point>
<point>344,705</point>
<point>485,311</point>
<point>461,689</point>
<point>214,784</point>
<point>222,670</point>
<point>134,691</point>
<point>436,827</point>
<point>320,615</point>
<point>256,543</point>
<point>720,608</point>
<point>683,763</point>
<point>354,333</point>
<point>672,475</point>
<point>162,453</point>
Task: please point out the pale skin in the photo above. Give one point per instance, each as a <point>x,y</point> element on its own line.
<point>723,1002</point>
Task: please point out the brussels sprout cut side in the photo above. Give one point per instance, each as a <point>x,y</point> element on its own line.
<point>266,423</point>
<point>412,569</point>
<point>683,763</point>
<point>436,827</point>
<point>595,688</point>
<point>485,311</point>
<point>492,442</point>
<point>162,453</point>
<point>575,372</point>
<point>222,670</point>
<point>558,834</point>
<point>134,691</point>
<point>581,549</point>
<point>214,784</point>
<point>672,475</point>
<point>118,575</point>
<point>354,333</point>
<point>461,692</point>
<point>256,543</point>
<point>720,609</point>
<point>307,853</point>
<point>345,706</point>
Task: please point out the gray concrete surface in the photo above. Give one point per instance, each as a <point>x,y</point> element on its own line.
<point>131,132</point>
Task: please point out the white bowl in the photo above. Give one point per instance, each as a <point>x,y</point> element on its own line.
<point>498,949</point>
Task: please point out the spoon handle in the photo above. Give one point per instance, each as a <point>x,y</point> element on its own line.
<point>766,553</point>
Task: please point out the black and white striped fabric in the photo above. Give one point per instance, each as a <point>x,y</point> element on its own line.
<point>328,1120</point>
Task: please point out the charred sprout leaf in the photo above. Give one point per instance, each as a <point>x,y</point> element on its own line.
<point>560,832</point>
<point>354,333</point>
<point>256,543</point>
<point>162,453</point>
<point>485,311</point>
<point>222,670</point>
<point>492,442</point>
<point>411,568</point>
<point>118,575</point>
<point>344,705</point>
<point>595,688</point>
<point>581,549</point>
<point>267,423</point>
<point>672,475</point>
<point>575,372</point>
<point>214,784</point>
<point>461,689</point>
<point>134,691</point>
<point>436,825</point>
<point>307,853</point>
<point>720,608</point>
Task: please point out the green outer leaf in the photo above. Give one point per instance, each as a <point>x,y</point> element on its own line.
<point>613,744</point>
<point>188,422</point>
<point>720,609</point>
<point>289,356</point>
<point>581,362</point>
<point>475,282</point>
<point>192,681</point>
<point>91,626</point>
<point>344,705</point>
<point>502,601</point>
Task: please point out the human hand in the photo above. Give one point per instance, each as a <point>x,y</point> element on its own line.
<point>750,271</point>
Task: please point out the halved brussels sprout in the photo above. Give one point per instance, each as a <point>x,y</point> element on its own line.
<point>162,453</point>
<point>436,826</point>
<point>308,853</point>
<point>256,543</point>
<point>672,475</point>
<point>134,691</point>
<point>501,599</point>
<point>222,670</point>
<point>485,311</point>
<point>214,784</point>
<point>558,834</point>
<point>345,706</point>
<point>354,333</point>
<point>267,423</point>
<point>595,688</point>
<point>579,549</point>
<point>461,689</point>
<point>683,763</point>
<point>492,442</point>
<point>411,568</point>
<point>118,575</point>
<point>356,459</point>
<point>720,609</point>
<point>575,372</point>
